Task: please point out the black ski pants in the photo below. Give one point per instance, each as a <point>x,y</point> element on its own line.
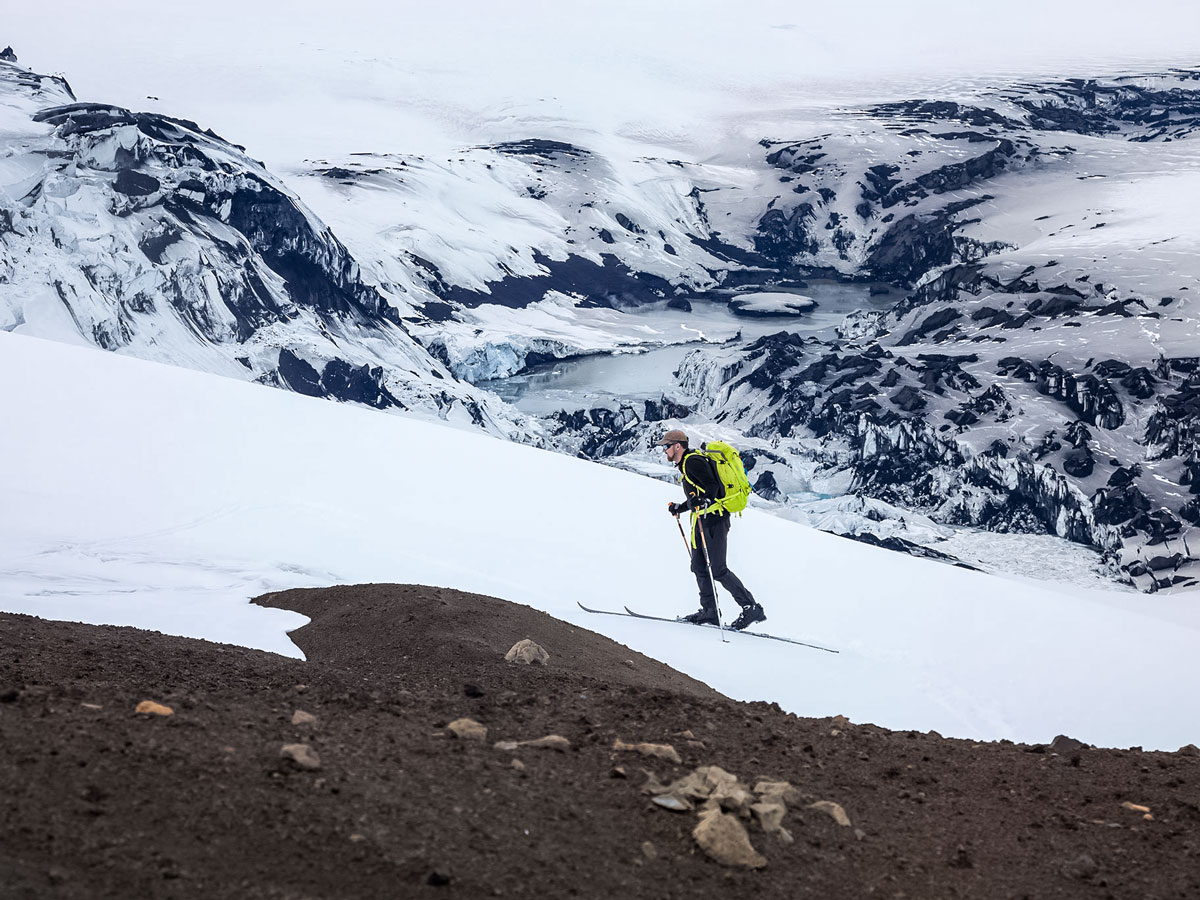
<point>716,535</point>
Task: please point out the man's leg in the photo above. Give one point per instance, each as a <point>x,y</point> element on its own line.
<point>708,598</point>
<point>716,529</point>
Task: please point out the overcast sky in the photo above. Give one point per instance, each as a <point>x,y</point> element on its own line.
<point>451,72</point>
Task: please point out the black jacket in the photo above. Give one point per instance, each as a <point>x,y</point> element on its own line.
<point>701,483</point>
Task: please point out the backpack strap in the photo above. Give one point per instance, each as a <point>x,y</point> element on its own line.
<point>683,469</point>
<point>715,506</point>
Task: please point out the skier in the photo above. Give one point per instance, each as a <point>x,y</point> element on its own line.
<point>701,486</point>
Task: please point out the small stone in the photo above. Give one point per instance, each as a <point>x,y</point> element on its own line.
<point>150,708</point>
<point>300,717</point>
<point>673,802</point>
<point>782,791</point>
<point>629,663</point>
<point>733,798</point>
<point>962,859</point>
<point>1189,750</point>
<point>549,742</point>
<point>1135,807</point>
<point>834,809</point>
<point>1082,867</point>
<point>467,730</point>
<point>723,839</point>
<point>654,786</point>
<point>662,751</point>
<point>649,850</point>
<point>704,782</point>
<point>302,755</point>
<point>91,706</point>
<point>357,838</point>
<point>769,815</point>
<point>518,765</point>
<point>527,652</point>
<point>1064,744</point>
<point>840,721</point>
<point>473,690</point>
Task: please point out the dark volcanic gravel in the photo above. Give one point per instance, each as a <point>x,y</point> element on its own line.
<point>99,801</point>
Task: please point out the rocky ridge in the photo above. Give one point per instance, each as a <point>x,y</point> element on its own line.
<point>408,755</point>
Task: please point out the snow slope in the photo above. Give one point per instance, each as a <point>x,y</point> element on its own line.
<point>149,495</point>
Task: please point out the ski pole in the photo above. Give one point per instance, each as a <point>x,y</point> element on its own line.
<point>686,545</point>
<point>712,580</point>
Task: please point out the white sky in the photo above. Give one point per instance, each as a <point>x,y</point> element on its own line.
<point>323,78</point>
<point>159,497</point>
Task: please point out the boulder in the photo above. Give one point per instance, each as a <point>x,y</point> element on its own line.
<point>150,708</point>
<point>723,839</point>
<point>770,815</point>
<point>662,751</point>
<point>782,791</point>
<point>673,802</point>
<point>833,809</point>
<point>549,742</point>
<point>1064,744</point>
<point>301,755</point>
<point>527,652</point>
<point>467,730</point>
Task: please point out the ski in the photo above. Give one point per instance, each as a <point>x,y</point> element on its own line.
<point>758,634</point>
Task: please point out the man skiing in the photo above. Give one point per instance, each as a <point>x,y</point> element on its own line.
<point>710,528</point>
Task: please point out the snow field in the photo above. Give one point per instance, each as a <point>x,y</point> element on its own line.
<point>152,496</point>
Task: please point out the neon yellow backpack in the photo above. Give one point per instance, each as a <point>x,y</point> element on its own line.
<point>732,474</point>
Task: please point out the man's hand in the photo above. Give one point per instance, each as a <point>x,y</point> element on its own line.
<point>676,508</point>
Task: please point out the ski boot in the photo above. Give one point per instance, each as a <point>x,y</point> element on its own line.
<point>750,614</point>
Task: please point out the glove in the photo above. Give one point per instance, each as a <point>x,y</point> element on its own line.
<point>676,508</point>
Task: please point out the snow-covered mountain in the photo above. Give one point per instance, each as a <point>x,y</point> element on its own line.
<point>1038,376</point>
<point>149,236</point>
<point>1042,371</point>
<point>506,248</point>
<point>1037,373</point>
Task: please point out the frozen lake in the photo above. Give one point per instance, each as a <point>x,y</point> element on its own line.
<point>603,378</point>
